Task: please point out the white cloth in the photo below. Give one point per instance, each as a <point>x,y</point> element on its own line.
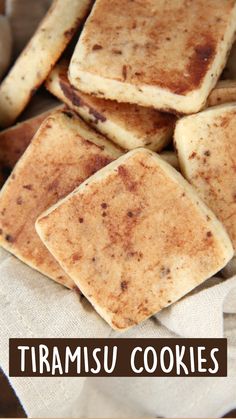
<point>33,306</point>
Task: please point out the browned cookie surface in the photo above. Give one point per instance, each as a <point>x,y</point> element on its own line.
<point>63,154</point>
<point>135,238</point>
<point>167,53</point>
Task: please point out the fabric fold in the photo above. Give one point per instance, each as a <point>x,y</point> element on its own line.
<point>34,306</point>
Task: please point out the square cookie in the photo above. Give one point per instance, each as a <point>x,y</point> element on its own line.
<point>166,54</point>
<point>129,126</point>
<point>135,238</point>
<point>43,50</point>
<point>63,153</point>
<point>206,145</point>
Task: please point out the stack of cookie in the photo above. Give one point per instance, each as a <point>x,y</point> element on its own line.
<point>124,191</point>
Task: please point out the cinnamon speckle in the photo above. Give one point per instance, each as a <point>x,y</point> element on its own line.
<point>28,187</point>
<point>19,201</point>
<point>164,271</point>
<point>224,122</point>
<point>117,51</point>
<point>124,72</point>
<point>9,238</point>
<point>96,47</point>
<point>124,286</point>
<point>193,155</point>
<point>76,257</point>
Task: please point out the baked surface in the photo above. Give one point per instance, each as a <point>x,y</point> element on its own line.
<point>15,140</point>
<point>135,238</point>
<point>40,55</point>
<point>63,153</point>
<point>166,54</point>
<point>206,145</point>
<point>129,126</point>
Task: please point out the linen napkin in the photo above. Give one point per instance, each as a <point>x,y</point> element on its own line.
<point>33,306</point>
